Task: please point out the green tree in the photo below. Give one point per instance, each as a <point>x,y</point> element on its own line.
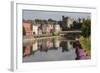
<point>86,28</point>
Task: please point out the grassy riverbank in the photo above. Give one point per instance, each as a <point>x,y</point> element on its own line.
<point>86,44</point>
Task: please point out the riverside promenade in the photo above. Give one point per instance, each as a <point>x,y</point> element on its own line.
<point>47,36</point>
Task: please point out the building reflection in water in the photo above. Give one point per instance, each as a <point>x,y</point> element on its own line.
<point>45,45</point>
<point>55,46</point>
<point>27,50</point>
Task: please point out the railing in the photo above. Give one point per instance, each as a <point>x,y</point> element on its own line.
<point>76,31</point>
<point>49,35</point>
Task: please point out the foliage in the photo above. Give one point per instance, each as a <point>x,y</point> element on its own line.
<point>76,25</point>
<point>86,43</point>
<point>86,28</point>
<point>55,33</point>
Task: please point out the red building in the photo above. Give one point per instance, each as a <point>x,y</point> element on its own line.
<point>27,28</point>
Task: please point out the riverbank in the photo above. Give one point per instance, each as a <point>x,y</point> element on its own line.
<point>86,44</point>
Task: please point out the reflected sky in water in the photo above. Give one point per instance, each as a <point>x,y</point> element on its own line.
<point>54,49</point>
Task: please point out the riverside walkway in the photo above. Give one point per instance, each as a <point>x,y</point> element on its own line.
<point>46,36</point>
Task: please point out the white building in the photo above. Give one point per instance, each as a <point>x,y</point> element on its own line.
<point>70,22</point>
<point>57,28</point>
<point>35,29</point>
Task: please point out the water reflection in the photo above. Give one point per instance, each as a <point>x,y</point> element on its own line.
<point>54,49</point>
<point>80,52</point>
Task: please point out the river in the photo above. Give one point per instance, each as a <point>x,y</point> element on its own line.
<point>51,49</point>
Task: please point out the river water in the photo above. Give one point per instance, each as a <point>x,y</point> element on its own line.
<point>52,49</point>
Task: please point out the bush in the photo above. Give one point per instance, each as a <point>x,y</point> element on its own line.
<point>86,43</point>
<point>54,33</point>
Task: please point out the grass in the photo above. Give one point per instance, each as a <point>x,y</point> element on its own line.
<point>86,44</point>
<point>55,33</point>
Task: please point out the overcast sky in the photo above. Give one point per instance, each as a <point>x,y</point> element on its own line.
<point>31,15</point>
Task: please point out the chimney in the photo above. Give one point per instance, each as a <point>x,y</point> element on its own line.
<point>63,17</point>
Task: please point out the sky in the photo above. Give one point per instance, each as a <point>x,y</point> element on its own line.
<point>33,14</point>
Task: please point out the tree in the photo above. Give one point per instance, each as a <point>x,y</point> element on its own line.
<point>86,28</point>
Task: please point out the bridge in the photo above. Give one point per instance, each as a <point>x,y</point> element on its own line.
<point>50,34</point>
<point>73,31</point>
<point>67,32</point>
<point>47,36</point>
